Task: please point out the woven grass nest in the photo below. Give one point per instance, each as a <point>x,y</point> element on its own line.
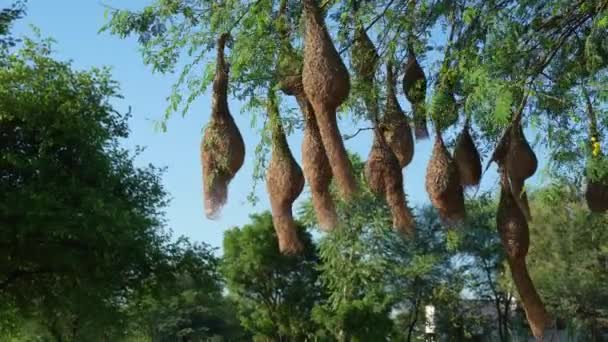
<point>443,184</point>
<point>284,183</point>
<point>327,85</point>
<point>383,174</point>
<point>396,126</point>
<point>514,234</point>
<point>222,146</point>
<point>467,158</point>
<point>414,87</point>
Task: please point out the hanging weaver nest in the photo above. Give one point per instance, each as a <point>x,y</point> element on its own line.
<point>443,184</point>
<point>514,234</point>
<point>284,183</point>
<point>364,57</point>
<point>222,147</point>
<point>414,87</point>
<point>444,110</point>
<point>396,126</point>
<point>327,84</point>
<point>520,164</point>
<point>596,195</point>
<point>383,174</point>
<point>467,158</point>
<point>316,169</point>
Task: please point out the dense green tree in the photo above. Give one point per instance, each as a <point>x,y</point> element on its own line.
<point>371,273</point>
<point>569,259</point>
<point>185,300</point>
<point>274,293</point>
<point>80,224</point>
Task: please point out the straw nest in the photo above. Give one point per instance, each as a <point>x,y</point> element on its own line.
<point>467,158</point>
<point>596,195</point>
<point>284,183</point>
<point>513,229</point>
<point>316,169</point>
<point>444,110</point>
<point>364,57</point>
<point>383,174</point>
<point>222,146</point>
<point>443,184</point>
<point>521,164</point>
<point>396,126</point>
<point>414,87</point>
<point>327,84</point>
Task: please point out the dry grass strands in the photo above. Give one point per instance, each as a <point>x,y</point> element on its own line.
<point>222,147</point>
<point>284,183</point>
<point>327,84</point>
<point>443,184</point>
<point>414,87</point>
<point>467,158</point>
<point>397,131</point>
<point>520,164</point>
<point>513,229</point>
<point>383,174</point>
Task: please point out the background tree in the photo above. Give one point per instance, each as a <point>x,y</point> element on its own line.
<point>371,272</point>
<point>274,294</point>
<point>569,260</point>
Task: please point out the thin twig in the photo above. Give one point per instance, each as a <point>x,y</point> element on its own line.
<point>350,136</point>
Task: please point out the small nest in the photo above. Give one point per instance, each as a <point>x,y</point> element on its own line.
<point>222,146</point>
<point>521,164</point>
<point>467,158</point>
<point>316,169</point>
<point>443,184</point>
<point>444,110</point>
<point>514,235</point>
<point>414,87</point>
<point>284,183</point>
<point>596,195</point>
<point>384,177</point>
<point>326,85</point>
<point>396,126</point>
<point>364,57</point>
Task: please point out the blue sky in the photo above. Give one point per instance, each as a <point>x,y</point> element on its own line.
<point>75,25</point>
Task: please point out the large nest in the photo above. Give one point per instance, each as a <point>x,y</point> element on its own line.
<point>327,84</point>
<point>467,158</point>
<point>443,184</point>
<point>284,183</point>
<point>222,147</point>
<point>383,174</point>
<point>513,229</point>
<point>397,130</point>
<point>414,87</point>
<point>444,109</point>
<point>316,168</point>
<point>521,164</point>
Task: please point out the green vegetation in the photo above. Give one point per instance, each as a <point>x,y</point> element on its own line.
<point>85,254</point>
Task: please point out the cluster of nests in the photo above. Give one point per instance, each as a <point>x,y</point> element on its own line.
<point>320,83</point>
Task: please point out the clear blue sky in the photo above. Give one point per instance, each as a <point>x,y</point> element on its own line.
<point>75,24</point>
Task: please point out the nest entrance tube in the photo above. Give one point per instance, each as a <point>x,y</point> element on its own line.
<point>284,183</point>
<point>222,146</point>
<point>443,184</point>
<point>327,84</point>
<point>383,174</point>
